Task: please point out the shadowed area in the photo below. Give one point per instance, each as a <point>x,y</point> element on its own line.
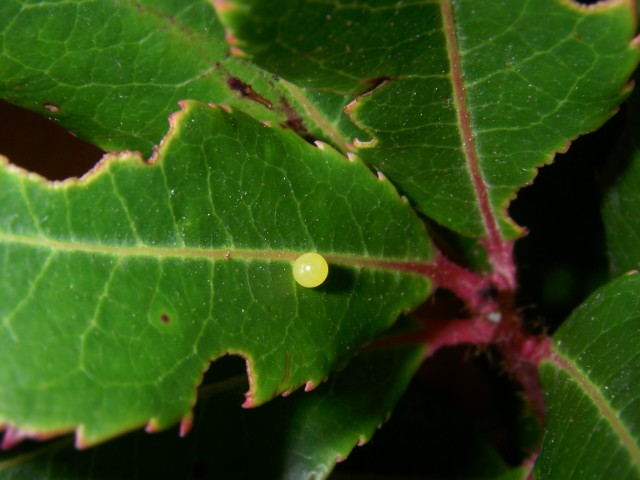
<point>42,146</point>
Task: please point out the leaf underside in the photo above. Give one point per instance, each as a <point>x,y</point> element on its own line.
<point>126,284</point>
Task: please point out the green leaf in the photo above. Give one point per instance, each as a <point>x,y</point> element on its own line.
<point>475,96</point>
<point>592,389</point>
<point>125,284</point>
<point>297,437</point>
<point>112,71</point>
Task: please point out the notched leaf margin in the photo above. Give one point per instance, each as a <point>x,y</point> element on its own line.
<point>13,435</point>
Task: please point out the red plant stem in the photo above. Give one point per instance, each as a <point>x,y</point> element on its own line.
<point>484,295</point>
<point>445,333</point>
<point>500,253</point>
<point>470,287</point>
<point>474,331</point>
<point>489,298</point>
<point>522,354</point>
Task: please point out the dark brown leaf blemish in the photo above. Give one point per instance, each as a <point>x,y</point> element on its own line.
<point>164,318</point>
<point>247,91</point>
<point>294,121</point>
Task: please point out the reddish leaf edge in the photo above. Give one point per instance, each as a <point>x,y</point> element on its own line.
<point>14,435</point>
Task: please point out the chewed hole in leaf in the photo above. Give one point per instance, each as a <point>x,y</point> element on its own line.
<point>40,145</point>
<point>228,373</point>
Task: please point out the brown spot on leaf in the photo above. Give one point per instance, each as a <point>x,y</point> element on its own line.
<point>294,121</point>
<point>164,318</point>
<point>247,91</point>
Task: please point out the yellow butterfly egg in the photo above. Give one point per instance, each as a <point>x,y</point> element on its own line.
<point>310,270</point>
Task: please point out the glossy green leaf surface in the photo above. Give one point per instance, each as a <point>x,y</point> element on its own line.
<point>125,284</point>
<point>112,71</point>
<point>471,96</point>
<point>592,389</point>
<point>298,437</point>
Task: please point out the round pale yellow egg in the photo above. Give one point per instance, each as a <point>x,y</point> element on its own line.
<point>310,270</point>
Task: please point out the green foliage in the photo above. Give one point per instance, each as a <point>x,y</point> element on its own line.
<point>209,273</point>
<point>298,436</point>
<point>525,92</point>
<point>112,72</point>
<point>589,382</point>
<point>119,289</point>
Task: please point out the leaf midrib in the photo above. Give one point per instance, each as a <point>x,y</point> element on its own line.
<point>416,266</point>
<point>498,250</point>
<point>602,404</point>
